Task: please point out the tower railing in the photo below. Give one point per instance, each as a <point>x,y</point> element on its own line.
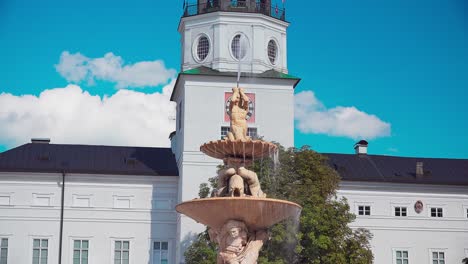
<point>241,6</point>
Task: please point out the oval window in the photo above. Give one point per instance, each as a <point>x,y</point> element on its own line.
<point>203,48</point>
<point>239,46</point>
<point>272,51</point>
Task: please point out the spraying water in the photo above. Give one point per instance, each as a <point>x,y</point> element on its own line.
<point>241,54</point>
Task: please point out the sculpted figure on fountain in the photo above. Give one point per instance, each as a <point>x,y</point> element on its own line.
<point>236,244</point>
<point>238,108</point>
<point>231,183</point>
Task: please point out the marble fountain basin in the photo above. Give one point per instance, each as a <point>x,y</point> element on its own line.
<point>256,213</point>
<point>250,149</point>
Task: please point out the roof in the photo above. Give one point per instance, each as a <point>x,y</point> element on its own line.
<point>206,71</point>
<point>89,159</point>
<point>203,70</point>
<point>378,168</point>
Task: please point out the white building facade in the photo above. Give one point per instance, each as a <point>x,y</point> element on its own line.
<point>117,203</point>
<point>124,217</point>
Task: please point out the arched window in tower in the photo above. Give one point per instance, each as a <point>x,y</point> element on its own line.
<point>239,46</point>
<point>272,51</point>
<point>203,48</point>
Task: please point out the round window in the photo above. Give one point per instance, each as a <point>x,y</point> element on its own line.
<point>239,46</point>
<point>203,48</point>
<point>272,51</point>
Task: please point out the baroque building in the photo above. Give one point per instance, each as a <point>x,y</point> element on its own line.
<point>108,204</point>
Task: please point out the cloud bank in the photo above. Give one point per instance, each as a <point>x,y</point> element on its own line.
<point>313,117</point>
<point>77,68</point>
<point>71,115</point>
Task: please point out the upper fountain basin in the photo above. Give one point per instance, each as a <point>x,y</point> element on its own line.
<point>256,213</point>
<point>250,149</point>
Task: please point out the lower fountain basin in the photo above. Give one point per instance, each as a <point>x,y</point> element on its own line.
<point>256,213</point>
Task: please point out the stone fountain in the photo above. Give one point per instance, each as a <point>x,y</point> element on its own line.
<point>238,214</point>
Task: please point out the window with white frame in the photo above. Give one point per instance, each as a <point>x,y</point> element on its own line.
<point>438,257</point>
<point>401,257</point>
<point>80,251</point>
<point>121,252</point>
<point>160,252</point>
<point>364,210</point>
<point>40,251</point>
<point>5,199</point>
<point>400,211</point>
<point>466,212</point>
<point>3,250</point>
<point>81,200</point>
<point>251,132</point>
<point>42,199</point>
<point>437,212</point>
<point>122,201</point>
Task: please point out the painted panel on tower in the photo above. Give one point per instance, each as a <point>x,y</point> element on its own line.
<point>251,111</point>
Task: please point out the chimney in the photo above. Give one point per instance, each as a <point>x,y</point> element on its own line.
<point>40,140</point>
<point>419,169</point>
<point>361,147</point>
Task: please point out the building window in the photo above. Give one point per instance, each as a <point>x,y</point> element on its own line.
<point>179,115</point>
<point>466,212</point>
<point>203,48</point>
<point>4,251</point>
<point>5,199</point>
<point>251,132</point>
<point>122,201</point>
<point>436,212</point>
<point>364,210</point>
<point>272,51</point>
<point>400,211</point>
<point>438,257</point>
<point>80,251</point>
<point>122,252</point>
<point>160,252</point>
<point>81,200</point>
<point>40,251</point>
<point>41,199</point>
<point>401,257</point>
<point>239,46</point>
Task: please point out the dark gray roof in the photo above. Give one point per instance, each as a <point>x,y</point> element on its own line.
<point>34,157</point>
<point>377,168</point>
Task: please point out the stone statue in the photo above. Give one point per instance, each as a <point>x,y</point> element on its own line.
<point>231,183</point>
<point>236,245</point>
<point>238,108</point>
<point>251,179</point>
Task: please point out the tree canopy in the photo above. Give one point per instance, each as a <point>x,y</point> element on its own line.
<point>321,234</point>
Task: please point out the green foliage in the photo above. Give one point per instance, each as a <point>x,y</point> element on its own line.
<point>202,251</point>
<point>321,234</point>
<point>465,261</point>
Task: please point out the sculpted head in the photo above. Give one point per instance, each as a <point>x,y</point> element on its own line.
<point>234,228</point>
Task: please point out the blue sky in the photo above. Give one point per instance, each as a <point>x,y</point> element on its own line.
<point>403,62</point>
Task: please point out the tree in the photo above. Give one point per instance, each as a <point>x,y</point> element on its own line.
<point>321,234</point>
<point>465,261</point>
<point>202,250</point>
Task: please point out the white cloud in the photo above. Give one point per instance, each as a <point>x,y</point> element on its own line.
<point>77,68</point>
<point>71,115</point>
<point>313,117</point>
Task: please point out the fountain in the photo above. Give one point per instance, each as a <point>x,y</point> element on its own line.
<point>239,214</point>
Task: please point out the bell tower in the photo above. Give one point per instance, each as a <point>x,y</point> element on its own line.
<point>211,31</point>
<point>219,38</point>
